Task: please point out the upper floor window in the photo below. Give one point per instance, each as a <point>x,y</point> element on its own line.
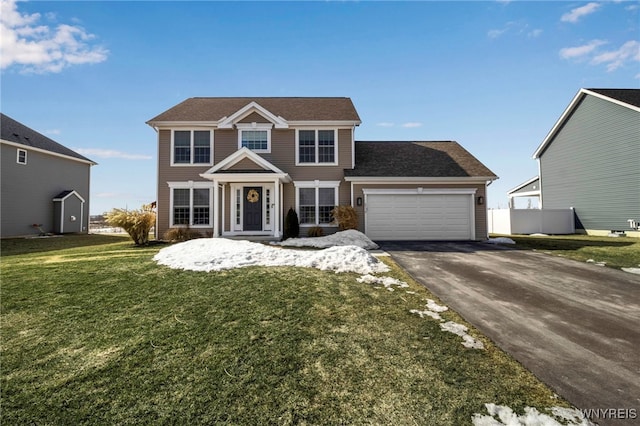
<point>22,156</point>
<point>192,147</point>
<point>316,147</point>
<point>255,136</point>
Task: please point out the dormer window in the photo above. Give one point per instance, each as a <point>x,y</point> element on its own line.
<point>22,156</point>
<point>255,136</point>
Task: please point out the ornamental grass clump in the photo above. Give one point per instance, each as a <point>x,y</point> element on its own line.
<point>346,217</point>
<point>137,223</point>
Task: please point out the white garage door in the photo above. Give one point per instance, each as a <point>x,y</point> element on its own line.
<point>419,216</point>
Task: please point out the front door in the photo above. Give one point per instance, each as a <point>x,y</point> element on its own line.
<point>252,207</point>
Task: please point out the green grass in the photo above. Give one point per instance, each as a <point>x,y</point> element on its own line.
<point>620,252</point>
<point>94,332</point>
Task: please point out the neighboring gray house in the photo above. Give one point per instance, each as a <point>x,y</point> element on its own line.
<point>44,185</point>
<point>590,160</point>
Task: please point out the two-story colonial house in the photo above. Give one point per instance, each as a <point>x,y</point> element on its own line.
<point>234,166</point>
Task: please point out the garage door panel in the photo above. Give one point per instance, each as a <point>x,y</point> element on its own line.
<point>419,216</point>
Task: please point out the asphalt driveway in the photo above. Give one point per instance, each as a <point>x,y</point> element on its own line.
<point>575,325</point>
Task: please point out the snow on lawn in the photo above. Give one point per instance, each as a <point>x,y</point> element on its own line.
<point>500,240</point>
<point>349,237</point>
<point>433,310</point>
<point>387,282</point>
<point>531,416</point>
<point>461,330</point>
<point>215,254</point>
<point>632,270</point>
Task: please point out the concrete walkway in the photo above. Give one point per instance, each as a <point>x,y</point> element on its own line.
<point>575,325</point>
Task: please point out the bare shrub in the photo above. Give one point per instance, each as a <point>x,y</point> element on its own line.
<point>346,217</point>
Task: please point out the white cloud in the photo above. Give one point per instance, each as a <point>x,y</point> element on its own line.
<point>575,14</point>
<point>39,48</point>
<point>613,59</point>
<point>53,132</point>
<point>515,27</point>
<point>385,124</point>
<point>496,33</point>
<point>628,52</point>
<point>580,51</point>
<point>535,33</point>
<point>412,124</point>
<point>109,153</point>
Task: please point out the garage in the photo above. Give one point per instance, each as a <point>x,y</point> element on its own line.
<point>420,214</point>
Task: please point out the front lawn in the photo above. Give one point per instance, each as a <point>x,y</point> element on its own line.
<point>619,252</point>
<point>95,332</point>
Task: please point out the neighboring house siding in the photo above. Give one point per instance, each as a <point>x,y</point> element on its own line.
<point>592,164</point>
<point>28,190</point>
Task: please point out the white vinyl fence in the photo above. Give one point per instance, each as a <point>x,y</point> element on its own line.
<point>531,221</point>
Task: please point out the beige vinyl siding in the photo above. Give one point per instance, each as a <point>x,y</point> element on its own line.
<point>168,173</point>
<point>592,164</point>
<point>480,211</point>
<point>245,164</point>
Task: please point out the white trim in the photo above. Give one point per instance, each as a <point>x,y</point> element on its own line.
<point>44,151</point>
<point>236,228</point>
<point>342,124</point>
<point>253,106</point>
<point>567,113</point>
<point>419,191</point>
<point>522,185</point>
<point>20,150</point>
<point>316,156</point>
<point>255,127</point>
<point>191,147</point>
<point>317,184</point>
<point>168,125</point>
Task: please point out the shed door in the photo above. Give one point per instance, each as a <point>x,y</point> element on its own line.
<point>419,217</point>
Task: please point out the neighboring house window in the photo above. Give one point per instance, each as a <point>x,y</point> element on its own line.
<point>315,201</point>
<point>190,206</point>
<point>255,136</point>
<point>317,147</point>
<point>22,156</point>
<point>192,147</point>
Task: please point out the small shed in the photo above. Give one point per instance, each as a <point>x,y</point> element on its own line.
<point>68,210</point>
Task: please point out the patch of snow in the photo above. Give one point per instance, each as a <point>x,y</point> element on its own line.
<point>432,310</point>
<point>350,237</point>
<point>506,416</point>
<point>215,254</point>
<point>632,270</point>
<point>388,282</point>
<point>427,312</point>
<point>461,330</point>
<point>539,234</point>
<point>596,263</point>
<point>500,240</point>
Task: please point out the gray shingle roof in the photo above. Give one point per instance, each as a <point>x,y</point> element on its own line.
<point>14,131</point>
<point>416,159</point>
<point>291,109</point>
<point>628,96</point>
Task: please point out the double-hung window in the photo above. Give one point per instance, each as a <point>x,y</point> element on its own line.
<point>22,156</point>
<point>192,147</point>
<point>315,201</point>
<point>317,147</point>
<point>190,206</point>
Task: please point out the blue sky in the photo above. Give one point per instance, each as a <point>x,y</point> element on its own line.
<point>495,76</point>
